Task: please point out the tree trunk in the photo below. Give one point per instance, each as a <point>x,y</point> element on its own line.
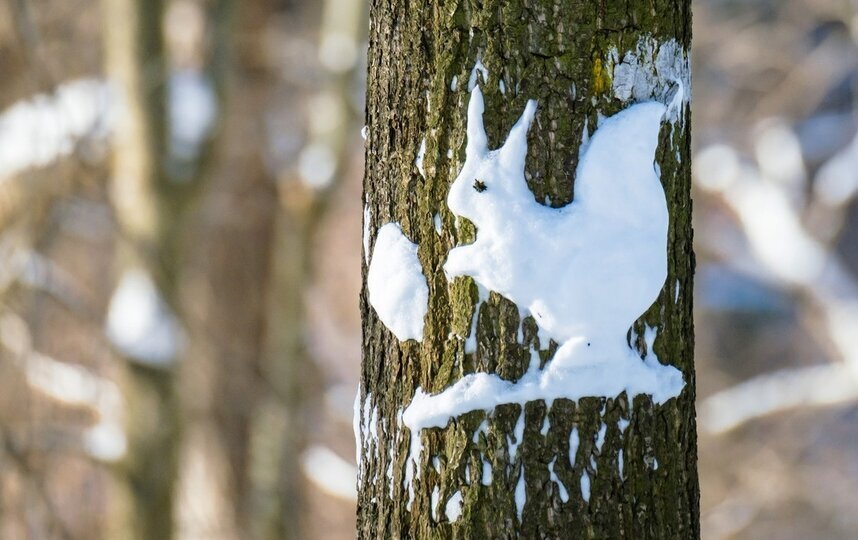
<point>135,62</point>
<point>598,467</point>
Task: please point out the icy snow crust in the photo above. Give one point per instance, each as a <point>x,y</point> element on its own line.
<point>397,287</point>
<point>585,272</point>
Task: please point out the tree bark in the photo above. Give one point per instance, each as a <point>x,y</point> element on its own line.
<point>564,54</point>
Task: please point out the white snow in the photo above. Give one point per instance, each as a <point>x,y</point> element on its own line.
<point>418,161</point>
<point>453,508</point>
<point>434,499</point>
<point>412,466</point>
<point>520,494</point>
<point>471,340</point>
<point>564,495</point>
<point>837,180</point>
<point>482,70</point>
<point>546,425</point>
<point>482,428</point>
<point>585,486</point>
<point>600,436</point>
<point>574,441</point>
<point>487,473</point>
<point>367,215</point>
<point>620,463</point>
<point>397,287</point>
<point>330,472</point>
<point>437,221</point>
<point>454,84</point>
<point>317,164</point>
<point>139,323</point>
<point>35,132</point>
<point>364,132</point>
<point>585,272</point>
<point>193,110</point>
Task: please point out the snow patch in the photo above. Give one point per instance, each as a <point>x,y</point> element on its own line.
<point>654,70</point>
<point>585,486</point>
<point>193,110</point>
<point>487,473</point>
<point>608,246</point>
<point>600,437</point>
<point>520,495</point>
<point>330,472</point>
<point>418,161</point>
<point>434,499</point>
<point>35,132</point>
<point>482,70</point>
<point>518,433</point>
<point>367,215</point>
<point>574,442</point>
<point>140,324</point>
<point>397,287</point>
<point>564,495</point>
<point>453,508</point>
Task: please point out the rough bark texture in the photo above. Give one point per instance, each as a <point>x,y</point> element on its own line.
<point>559,52</point>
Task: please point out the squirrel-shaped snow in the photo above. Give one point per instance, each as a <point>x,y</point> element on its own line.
<point>585,271</point>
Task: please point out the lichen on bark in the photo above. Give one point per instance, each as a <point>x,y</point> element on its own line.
<point>563,54</point>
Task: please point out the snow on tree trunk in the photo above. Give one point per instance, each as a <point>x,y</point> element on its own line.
<point>535,458</point>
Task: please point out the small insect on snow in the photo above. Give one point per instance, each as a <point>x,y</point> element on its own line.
<point>479,185</point>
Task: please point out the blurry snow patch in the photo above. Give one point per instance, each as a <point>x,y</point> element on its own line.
<point>37,131</point>
<point>338,51</point>
<point>837,181</point>
<point>716,167</point>
<point>72,385</point>
<point>779,391</point>
<point>139,323</point>
<point>397,287</point>
<point>768,216</point>
<point>331,473</point>
<point>317,165</point>
<point>778,153</point>
<point>193,109</point>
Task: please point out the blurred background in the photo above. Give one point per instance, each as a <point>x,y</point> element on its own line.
<point>244,302</point>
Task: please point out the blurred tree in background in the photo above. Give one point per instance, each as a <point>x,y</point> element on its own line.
<point>261,156</point>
